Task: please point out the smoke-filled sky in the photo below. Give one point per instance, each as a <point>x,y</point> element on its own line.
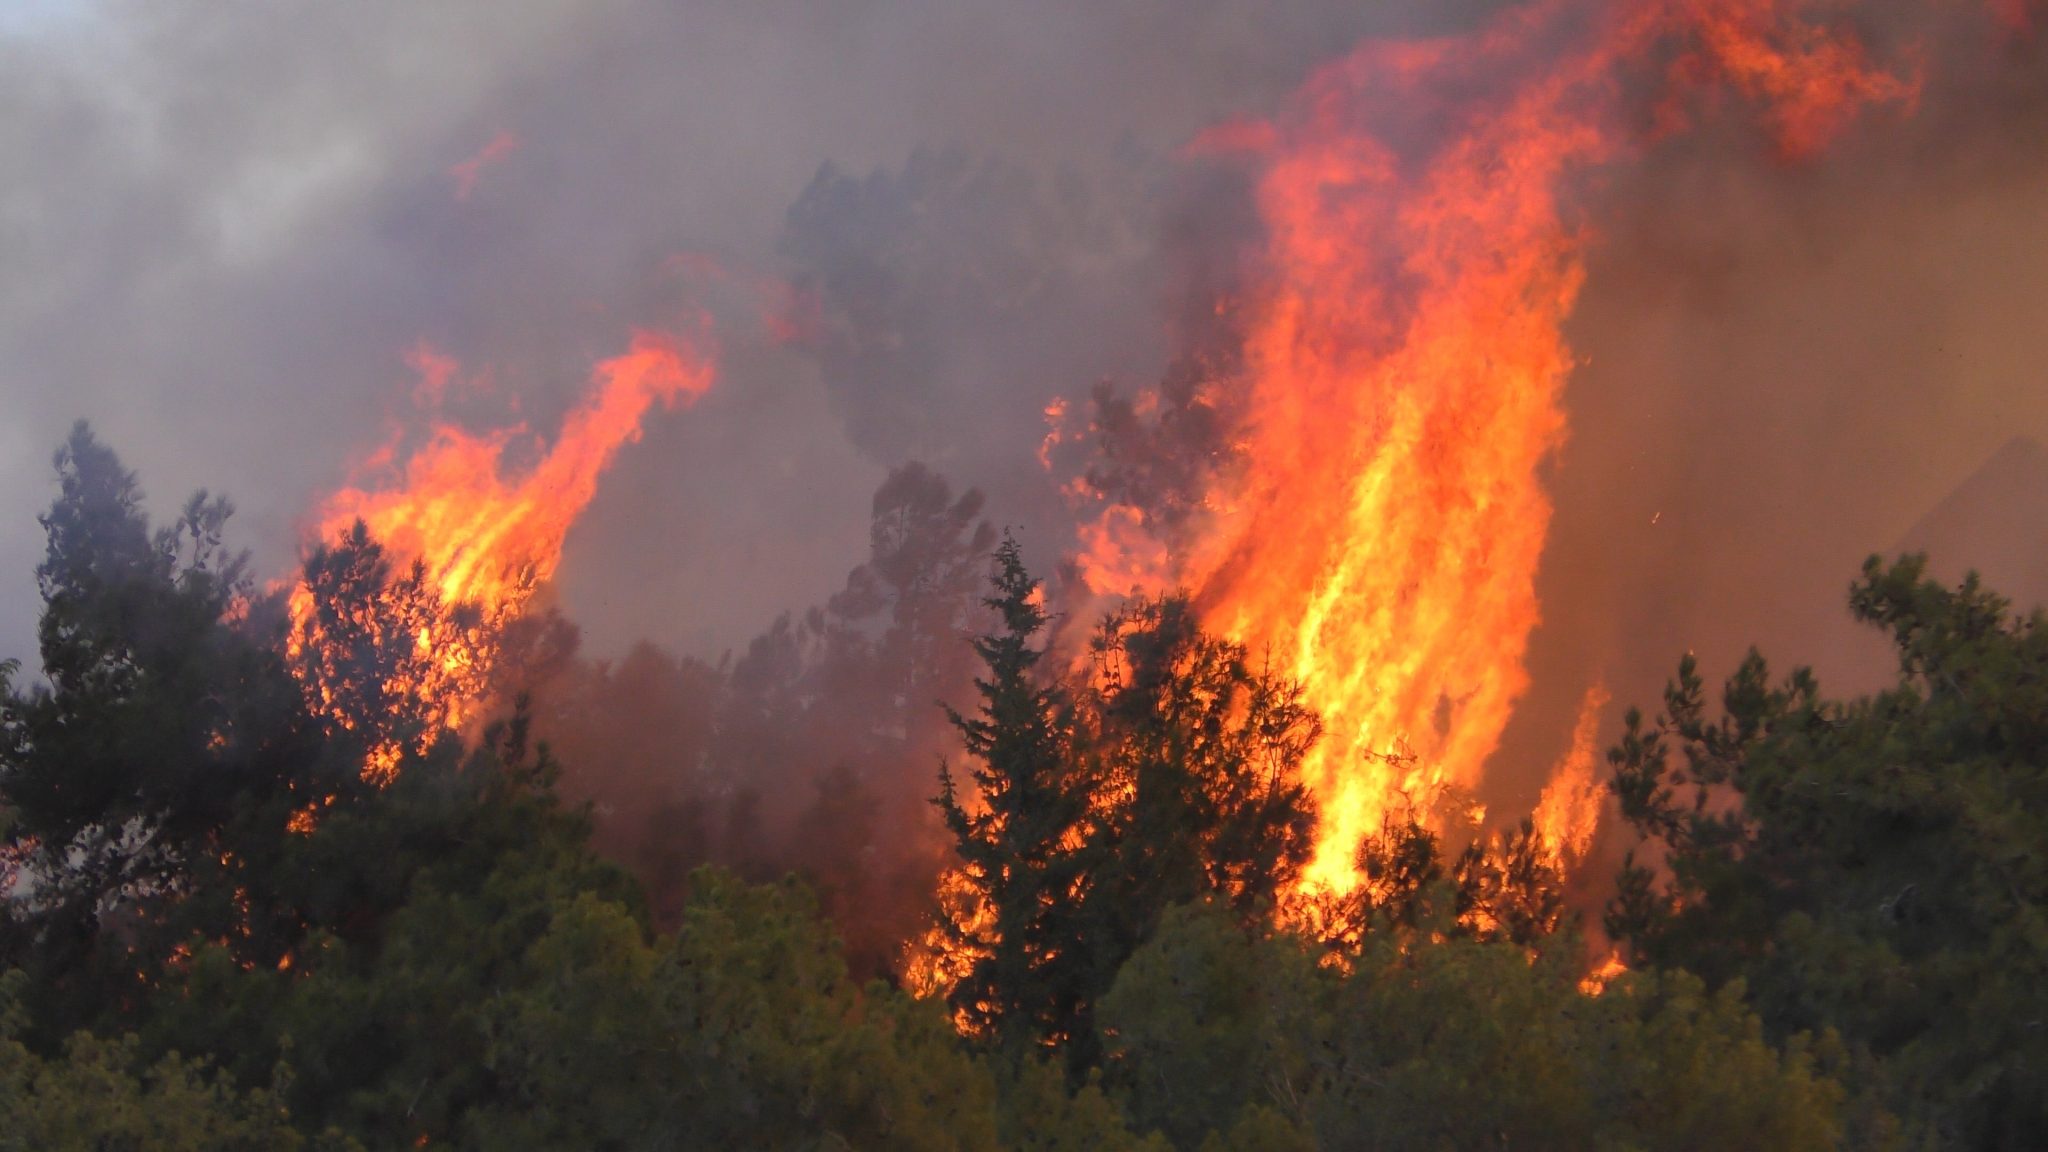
<point>225,228</point>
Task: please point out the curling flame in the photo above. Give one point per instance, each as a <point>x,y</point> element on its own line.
<point>485,541</point>
<point>1405,360</point>
<point>1569,812</point>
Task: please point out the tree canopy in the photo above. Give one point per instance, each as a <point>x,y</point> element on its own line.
<point>1878,866</point>
<point>220,933</point>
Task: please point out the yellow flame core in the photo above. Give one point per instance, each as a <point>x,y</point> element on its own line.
<point>1569,812</point>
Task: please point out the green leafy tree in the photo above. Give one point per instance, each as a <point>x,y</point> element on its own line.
<point>1039,1110</point>
<point>510,991</point>
<point>1874,866</point>
<point>1208,1021</point>
<point>741,1030</point>
<point>103,1096</point>
<point>1222,1037</point>
<point>423,899</point>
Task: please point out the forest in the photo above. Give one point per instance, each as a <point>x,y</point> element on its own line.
<point>909,874</point>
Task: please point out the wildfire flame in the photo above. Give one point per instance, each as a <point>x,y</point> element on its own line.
<point>1569,811</point>
<point>1404,365</point>
<point>483,539</point>
<point>1608,971</point>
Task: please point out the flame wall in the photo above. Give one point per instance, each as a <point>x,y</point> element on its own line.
<point>1405,363</point>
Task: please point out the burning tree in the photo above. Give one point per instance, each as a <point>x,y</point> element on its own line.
<point>147,783</point>
<point>380,655</point>
<point>1010,919</point>
<point>1404,358</point>
<point>1171,776</point>
<point>398,660</point>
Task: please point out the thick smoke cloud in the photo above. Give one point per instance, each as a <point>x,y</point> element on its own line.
<point>224,228</point>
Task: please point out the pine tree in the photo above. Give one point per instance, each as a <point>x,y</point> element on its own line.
<point>1872,866</point>
<point>1018,843</point>
<point>149,782</point>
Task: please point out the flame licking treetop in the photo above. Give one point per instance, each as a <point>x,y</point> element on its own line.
<point>477,543</point>
<point>1379,530</point>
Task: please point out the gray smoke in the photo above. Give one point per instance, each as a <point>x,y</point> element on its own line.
<point>223,228</point>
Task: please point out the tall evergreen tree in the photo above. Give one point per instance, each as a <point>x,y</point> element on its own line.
<point>1018,845</point>
<point>1172,776</point>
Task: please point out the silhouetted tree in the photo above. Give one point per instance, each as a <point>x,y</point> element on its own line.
<point>1019,841</point>
<point>1498,887</point>
<point>357,650</point>
<point>1172,775</point>
<point>854,687</point>
<point>152,773</point>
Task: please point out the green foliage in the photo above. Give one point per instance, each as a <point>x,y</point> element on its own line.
<point>1876,866</point>
<point>1230,1038</point>
<point>149,778</point>
<point>1040,1111</point>
<point>1206,1020</point>
<point>1261,1129</point>
<point>219,936</point>
<point>742,1030</point>
<point>100,1096</point>
<point>518,998</point>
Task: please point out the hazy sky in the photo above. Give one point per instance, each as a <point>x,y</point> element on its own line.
<point>224,224</point>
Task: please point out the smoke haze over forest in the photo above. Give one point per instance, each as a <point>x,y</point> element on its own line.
<point>914,225</point>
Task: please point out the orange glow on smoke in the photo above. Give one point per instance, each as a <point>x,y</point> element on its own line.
<point>1405,362</point>
<point>466,173</point>
<point>486,537</point>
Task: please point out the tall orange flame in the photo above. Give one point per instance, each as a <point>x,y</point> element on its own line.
<point>1405,364</point>
<point>1568,813</point>
<point>486,539</point>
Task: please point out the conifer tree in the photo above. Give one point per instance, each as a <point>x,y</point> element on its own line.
<point>1018,843</point>
<point>1875,865</point>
